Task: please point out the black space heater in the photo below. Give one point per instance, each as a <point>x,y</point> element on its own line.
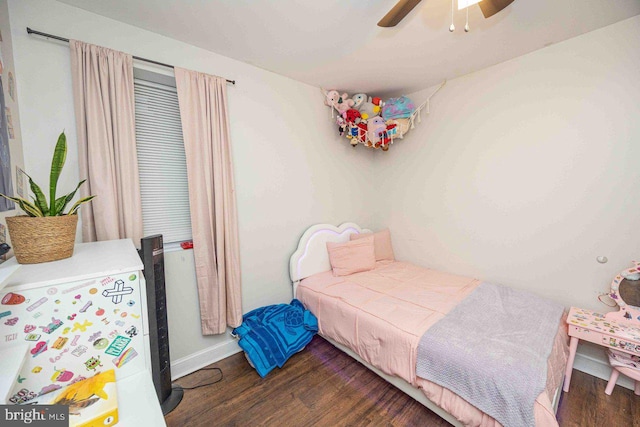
<point>152,254</point>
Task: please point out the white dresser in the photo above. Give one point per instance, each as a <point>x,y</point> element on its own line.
<point>78,316</point>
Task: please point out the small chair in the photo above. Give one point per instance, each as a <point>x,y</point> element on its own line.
<point>625,291</point>
<point>626,364</point>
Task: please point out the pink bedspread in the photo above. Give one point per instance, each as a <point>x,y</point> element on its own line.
<point>381,315</point>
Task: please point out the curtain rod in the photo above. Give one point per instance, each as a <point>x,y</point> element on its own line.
<point>62,39</point>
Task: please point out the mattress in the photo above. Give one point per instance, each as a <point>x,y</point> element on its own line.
<point>381,315</point>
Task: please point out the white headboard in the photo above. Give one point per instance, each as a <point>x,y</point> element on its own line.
<point>311,256</point>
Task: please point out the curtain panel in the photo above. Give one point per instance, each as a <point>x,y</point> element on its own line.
<point>205,128</point>
<point>105,122</point>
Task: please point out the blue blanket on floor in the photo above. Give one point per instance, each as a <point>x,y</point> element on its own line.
<point>271,335</point>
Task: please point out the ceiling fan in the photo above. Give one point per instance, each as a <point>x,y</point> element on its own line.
<point>403,7</point>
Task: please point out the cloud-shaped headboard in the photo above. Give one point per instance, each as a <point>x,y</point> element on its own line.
<point>311,256</point>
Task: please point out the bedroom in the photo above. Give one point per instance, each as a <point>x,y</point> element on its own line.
<point>523,173</point>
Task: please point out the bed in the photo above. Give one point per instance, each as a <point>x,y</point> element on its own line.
<point>390,352</point>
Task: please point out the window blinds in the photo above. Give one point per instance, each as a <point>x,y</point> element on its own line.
<point>161,162</point>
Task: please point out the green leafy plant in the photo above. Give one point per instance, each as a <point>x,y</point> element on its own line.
<point>39,206</point>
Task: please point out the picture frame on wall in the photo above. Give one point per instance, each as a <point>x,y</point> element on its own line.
<point>7,132</point>
<point>21,178</point>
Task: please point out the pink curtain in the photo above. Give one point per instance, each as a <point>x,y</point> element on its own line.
<point>205,129</point>
<point>105,122</point>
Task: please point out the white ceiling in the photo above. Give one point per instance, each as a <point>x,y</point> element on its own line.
<point>337,44</point>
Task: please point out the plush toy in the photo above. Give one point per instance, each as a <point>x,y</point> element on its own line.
<point>352,135</point>
<point>344,103</point>
<point>352,116</point>
<point>387,137</point>
<point>377,105</point>
<point>368,109</point>
<point>392,130</point>
<point>353,140</point>
<point>340,102</point>
<point>331,97</point>
<point>342,125</point>
<point>375,128</point>
<point>358,100</point>
<point>380,134</point>
<point>398,108</point>
<point>401,126</point>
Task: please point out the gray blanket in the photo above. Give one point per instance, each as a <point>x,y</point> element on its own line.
<point>492,351</point>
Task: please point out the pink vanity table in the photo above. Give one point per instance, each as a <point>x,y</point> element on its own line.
<point>618,330</point>
<point>596,328</point>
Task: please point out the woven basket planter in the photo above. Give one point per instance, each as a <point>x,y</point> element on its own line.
<point>42,239</point>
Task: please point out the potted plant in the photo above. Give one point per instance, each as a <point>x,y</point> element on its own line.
<point>46,232</point>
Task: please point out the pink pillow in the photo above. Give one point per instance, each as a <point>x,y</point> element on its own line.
<point>352,257</point>
<point>381,243</point>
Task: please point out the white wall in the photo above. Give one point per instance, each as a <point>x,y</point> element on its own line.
<point>526,171</point>
<point>291,169</point>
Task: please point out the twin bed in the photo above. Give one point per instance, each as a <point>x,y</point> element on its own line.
<point>378,316</point>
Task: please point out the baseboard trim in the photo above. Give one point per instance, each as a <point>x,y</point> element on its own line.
<point>191,363</point>
<point>587,363</point>
<point>599,368</point>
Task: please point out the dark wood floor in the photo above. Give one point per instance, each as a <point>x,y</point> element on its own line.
<point>322,386</point>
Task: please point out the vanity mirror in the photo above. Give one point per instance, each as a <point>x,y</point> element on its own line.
<point>625,291</point>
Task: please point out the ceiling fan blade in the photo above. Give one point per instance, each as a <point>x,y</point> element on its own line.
<point>399,11</point>
<point>491,7</point>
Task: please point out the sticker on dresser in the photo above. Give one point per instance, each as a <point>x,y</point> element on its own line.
<point>72,327</point>
<point>118,290</point>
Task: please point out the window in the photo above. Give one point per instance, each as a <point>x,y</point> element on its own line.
<point>161,159</point>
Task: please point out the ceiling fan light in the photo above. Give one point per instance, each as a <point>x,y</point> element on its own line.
<point>466,3</point>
